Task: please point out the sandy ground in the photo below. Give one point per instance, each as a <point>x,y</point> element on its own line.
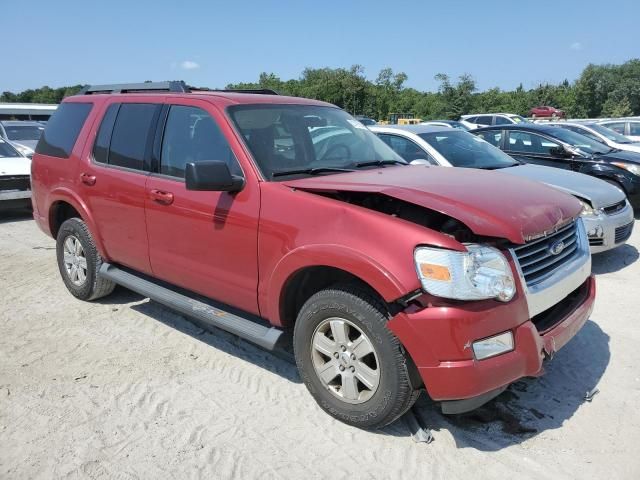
<point>124,388</point>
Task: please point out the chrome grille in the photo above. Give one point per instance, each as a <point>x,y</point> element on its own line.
<point>624,232</point>
<point>536,260</point>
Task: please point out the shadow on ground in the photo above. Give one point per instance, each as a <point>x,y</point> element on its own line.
<point>614,260</point>
<point>8,216</point>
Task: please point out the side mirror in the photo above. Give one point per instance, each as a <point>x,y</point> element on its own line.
<point>212,176</point>
<point>560,151</point>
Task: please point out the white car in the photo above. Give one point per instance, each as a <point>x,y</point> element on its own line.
<point>602,134</point>
<point>479,120</point>
<point>15,178</point>
<point>605,208</point>
<point>627,127</point>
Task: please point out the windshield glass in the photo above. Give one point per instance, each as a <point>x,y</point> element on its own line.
<point>7,150</point>
<point>23,132</point>
<point>579,141</point>
<point>518,119</point>
<point>285,138</point>
<point>462,149</point>
<point>608,133</point>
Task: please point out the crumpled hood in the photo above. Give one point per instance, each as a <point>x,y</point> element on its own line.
<point>490,203</point>
<point>598,192</point>
<point>15,166</point>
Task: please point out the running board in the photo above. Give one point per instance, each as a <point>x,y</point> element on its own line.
<point>261,335</point>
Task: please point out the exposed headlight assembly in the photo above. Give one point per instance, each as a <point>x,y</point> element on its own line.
<point>588,210</point>
<point>480,273</point>
<point>630,167</point>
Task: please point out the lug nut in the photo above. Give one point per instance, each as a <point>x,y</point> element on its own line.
<point>341,368</point>
<point>335,355</point>
<point>353,369</point>
<point>343,348</point>
<point>353,356</point>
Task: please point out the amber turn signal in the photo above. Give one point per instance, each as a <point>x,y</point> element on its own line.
<point>435,272</point>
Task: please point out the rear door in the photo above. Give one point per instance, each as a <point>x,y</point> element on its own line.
<point>117,167</point>
<point>206,242</point>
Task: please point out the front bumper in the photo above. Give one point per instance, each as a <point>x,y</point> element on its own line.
<point>432,334</point>
<point>609,231</point>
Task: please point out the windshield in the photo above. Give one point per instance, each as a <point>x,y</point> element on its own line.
<point>518,119</point>
<point>579,141</point>
<point>7,150</point>
<point>23,132</point>
<point>291,138</point>
<point>462,149</point>
<point>608,133</point>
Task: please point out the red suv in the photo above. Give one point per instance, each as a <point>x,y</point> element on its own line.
<point>546,112</point>
<point>260,214</point>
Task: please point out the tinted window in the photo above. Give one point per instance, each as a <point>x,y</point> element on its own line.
<point>191,135</point>
<point>634,128</point>
<point>493,138</point>
<point>101,147</point>
<point>617,127</point>
<point>131,135</point>
<point>470,119</point>
<point>530,143</point>
<point>405,148</point>
<point>63,129</point>
<point>502,121</point>
<point>484,120</point>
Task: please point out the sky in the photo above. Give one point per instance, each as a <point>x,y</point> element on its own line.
<point>213,43</point>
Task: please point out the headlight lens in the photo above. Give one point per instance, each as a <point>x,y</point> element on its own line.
<point>479,273</point>
<point>588,210</point>
<point>630,167</point>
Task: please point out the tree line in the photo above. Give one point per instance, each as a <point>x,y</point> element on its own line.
<point>601,91</point>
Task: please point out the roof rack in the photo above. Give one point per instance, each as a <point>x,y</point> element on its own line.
<point>173,86</point>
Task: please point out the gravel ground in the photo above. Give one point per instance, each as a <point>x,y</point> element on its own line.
<point>124,388</point>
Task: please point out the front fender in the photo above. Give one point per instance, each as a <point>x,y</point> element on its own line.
<point>366,268</point>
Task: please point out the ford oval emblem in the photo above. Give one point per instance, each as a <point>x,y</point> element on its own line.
<point>556,248</point>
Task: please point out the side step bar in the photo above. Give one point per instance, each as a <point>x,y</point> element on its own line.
<point>261,335</point>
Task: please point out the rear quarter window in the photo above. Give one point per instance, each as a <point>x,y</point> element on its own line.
<point>63,129</point>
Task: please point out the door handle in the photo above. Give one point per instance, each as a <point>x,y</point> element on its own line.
<point>88,179</point>
<point>164,198</point>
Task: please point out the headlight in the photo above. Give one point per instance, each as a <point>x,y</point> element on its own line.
<point>479,273</point>
<point>588,210</point>
<point>630,167</point>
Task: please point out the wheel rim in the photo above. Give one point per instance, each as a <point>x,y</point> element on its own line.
<point>345,360</point>
<point>75,262</point>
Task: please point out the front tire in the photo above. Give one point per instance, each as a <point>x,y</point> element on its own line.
<point>79,261</point>
<point>349,360</point>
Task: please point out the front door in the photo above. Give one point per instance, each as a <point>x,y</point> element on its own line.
<point>206,242</point>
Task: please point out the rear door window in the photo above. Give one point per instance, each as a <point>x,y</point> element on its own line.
<point>484,120</point>
<point>63,129</point>
<point>616,126</point>
<point>502,121</point>
<point>634,128</point>
<point>131,138</point>
<point>101,147</point>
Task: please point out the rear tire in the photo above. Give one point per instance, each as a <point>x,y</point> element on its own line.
<point>79,261</point>
<point>349,360</point>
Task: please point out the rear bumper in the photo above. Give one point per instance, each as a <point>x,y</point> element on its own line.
<point>468,378</point>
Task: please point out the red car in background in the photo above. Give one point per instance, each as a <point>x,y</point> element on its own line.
<point>546,112</point>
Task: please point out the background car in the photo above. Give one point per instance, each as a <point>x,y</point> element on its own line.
<point>479,120</point>
<point>447,124</point>
<point>546,112</point>
<point>628,128</point>
<point>602,134</point>
<point>15,184</point>
<point>24,135</point>
<point>366,121</point>
<point>607,215</point>
<point>557,147</point>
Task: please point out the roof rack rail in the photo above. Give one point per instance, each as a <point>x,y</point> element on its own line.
<point>174,86</point>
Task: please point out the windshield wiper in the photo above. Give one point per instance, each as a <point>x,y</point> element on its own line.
<point>379,163</point>
<point>310,171</point>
